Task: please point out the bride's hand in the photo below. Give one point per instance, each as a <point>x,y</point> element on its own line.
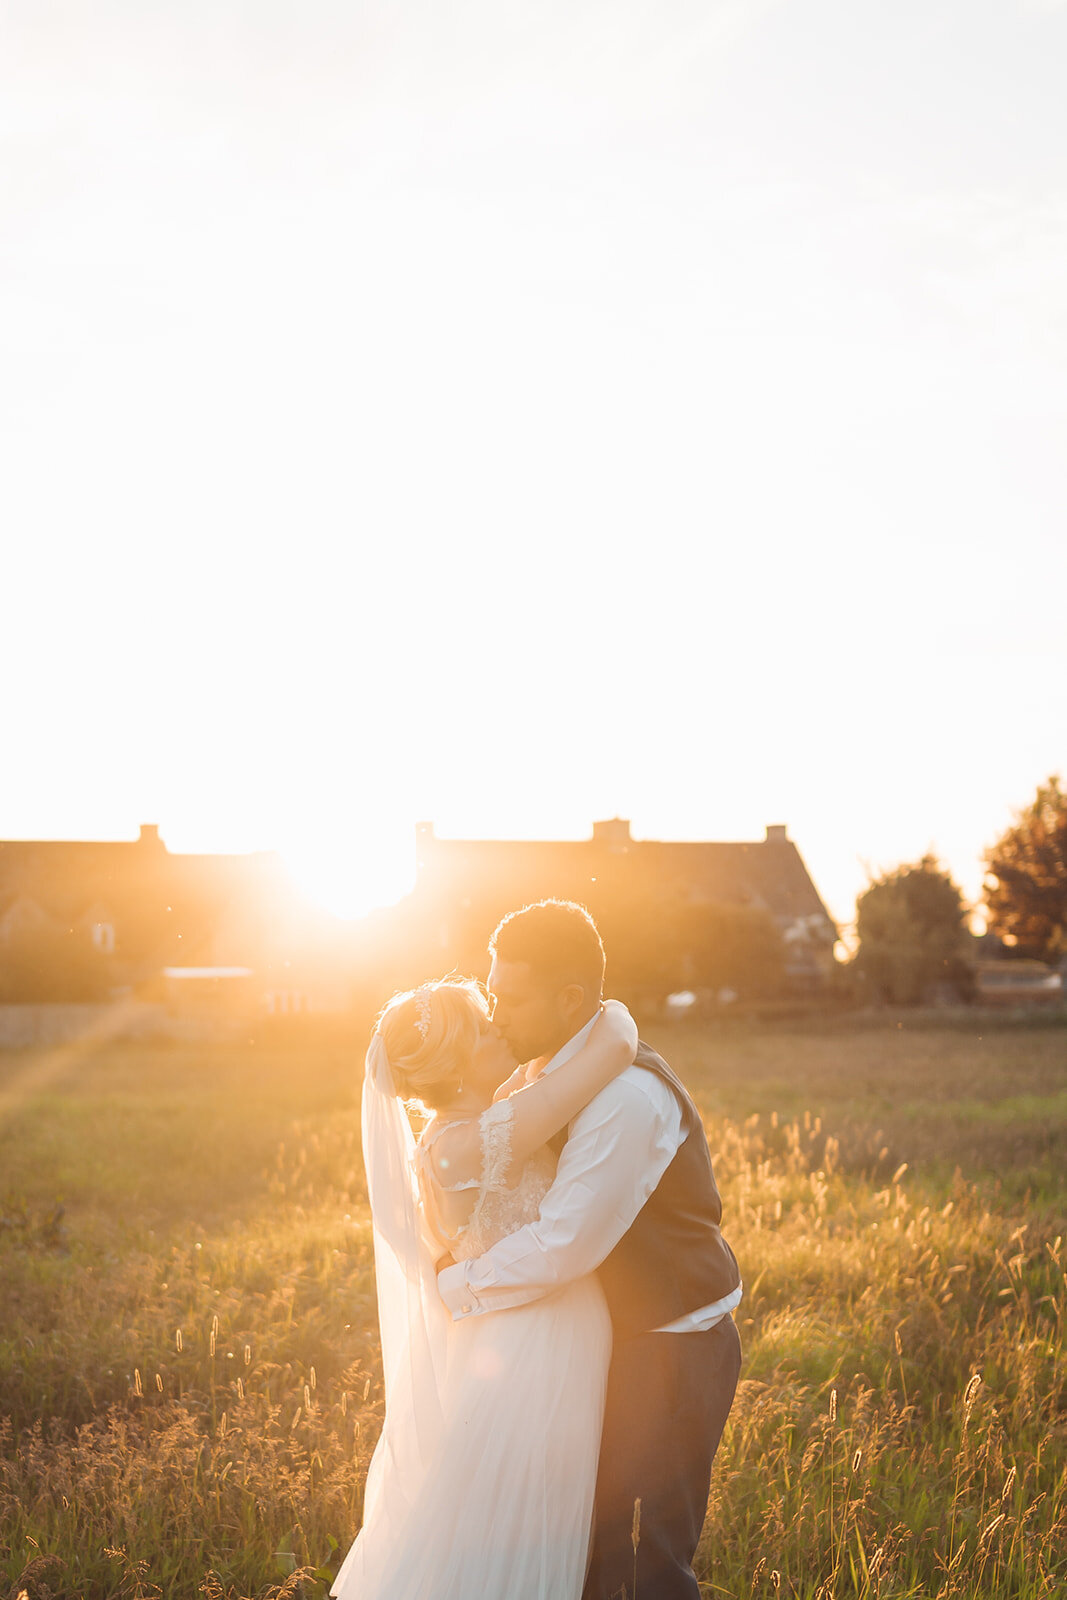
<point>509,1086</point>
<point>615,1021</point>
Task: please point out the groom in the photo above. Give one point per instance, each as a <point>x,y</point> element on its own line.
<point>634,1198</point>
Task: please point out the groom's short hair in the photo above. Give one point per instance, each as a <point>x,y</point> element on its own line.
<point>558,939</point>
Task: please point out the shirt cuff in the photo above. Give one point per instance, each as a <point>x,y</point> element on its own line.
<point>452,1287</point>
<point>463,1301</point>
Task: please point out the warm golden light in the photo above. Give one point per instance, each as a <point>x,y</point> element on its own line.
<point>509,364</point>
<point>352,878</point>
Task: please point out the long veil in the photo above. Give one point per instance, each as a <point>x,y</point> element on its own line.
<point>413,1321</point>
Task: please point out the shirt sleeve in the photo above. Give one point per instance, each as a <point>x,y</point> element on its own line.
<point>619,1147</point>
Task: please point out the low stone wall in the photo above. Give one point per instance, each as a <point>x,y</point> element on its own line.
<point>22,1026</point>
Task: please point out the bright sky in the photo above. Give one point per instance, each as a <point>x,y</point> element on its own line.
<point>512,415</point>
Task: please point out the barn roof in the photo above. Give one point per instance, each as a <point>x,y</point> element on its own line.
<point>768,873</point>
<point>136,880</point>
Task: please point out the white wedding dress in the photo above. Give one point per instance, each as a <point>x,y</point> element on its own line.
<point>481,1486</point>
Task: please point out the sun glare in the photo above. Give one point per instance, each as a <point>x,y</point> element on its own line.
<point>349,882</point>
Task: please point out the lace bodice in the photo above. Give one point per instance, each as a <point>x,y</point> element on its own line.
<point>499,1209</point>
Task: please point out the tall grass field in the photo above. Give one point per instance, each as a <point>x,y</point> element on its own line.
<point>189,1374</point>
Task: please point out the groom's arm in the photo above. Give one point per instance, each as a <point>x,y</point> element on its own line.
<point>619,1148</point>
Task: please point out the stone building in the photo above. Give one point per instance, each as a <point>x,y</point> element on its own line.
<point>88,919</point>
<point>463,886</point>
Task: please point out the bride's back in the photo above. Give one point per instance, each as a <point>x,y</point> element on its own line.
<point>466,1218</point>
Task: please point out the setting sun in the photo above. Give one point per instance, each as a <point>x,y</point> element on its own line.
<point>354,877</point>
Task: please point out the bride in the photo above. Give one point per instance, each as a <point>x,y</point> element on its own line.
<point>481,1485</point>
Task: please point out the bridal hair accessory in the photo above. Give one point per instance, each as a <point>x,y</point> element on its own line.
<point>422,1013</point>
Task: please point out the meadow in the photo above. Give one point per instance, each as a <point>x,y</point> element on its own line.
<point>189,1381</point>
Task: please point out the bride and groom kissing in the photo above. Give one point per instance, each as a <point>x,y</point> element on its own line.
<point>554,1290</point>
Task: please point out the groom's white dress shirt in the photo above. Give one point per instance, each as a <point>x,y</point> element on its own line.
<point>619,1147</point>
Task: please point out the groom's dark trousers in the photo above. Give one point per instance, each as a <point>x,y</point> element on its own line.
<point>668,1398</point>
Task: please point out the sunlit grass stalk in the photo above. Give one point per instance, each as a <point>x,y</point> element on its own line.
<point>969,1394</point>
<point>833,1470</point>
<point>635,1538</point>
<point>899,1347</point>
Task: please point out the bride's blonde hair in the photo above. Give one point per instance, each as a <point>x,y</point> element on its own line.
<point>430,1035</point>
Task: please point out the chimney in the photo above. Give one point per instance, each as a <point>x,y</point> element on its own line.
<point>615,834</point>
<point>149,835</point>
<point>776,833</point>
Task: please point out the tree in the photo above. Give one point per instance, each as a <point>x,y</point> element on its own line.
<point>1026,890</point>
<point>911,931</point>
<point>658,943</point>
<point>734,947</point>
<point>641,935</point>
